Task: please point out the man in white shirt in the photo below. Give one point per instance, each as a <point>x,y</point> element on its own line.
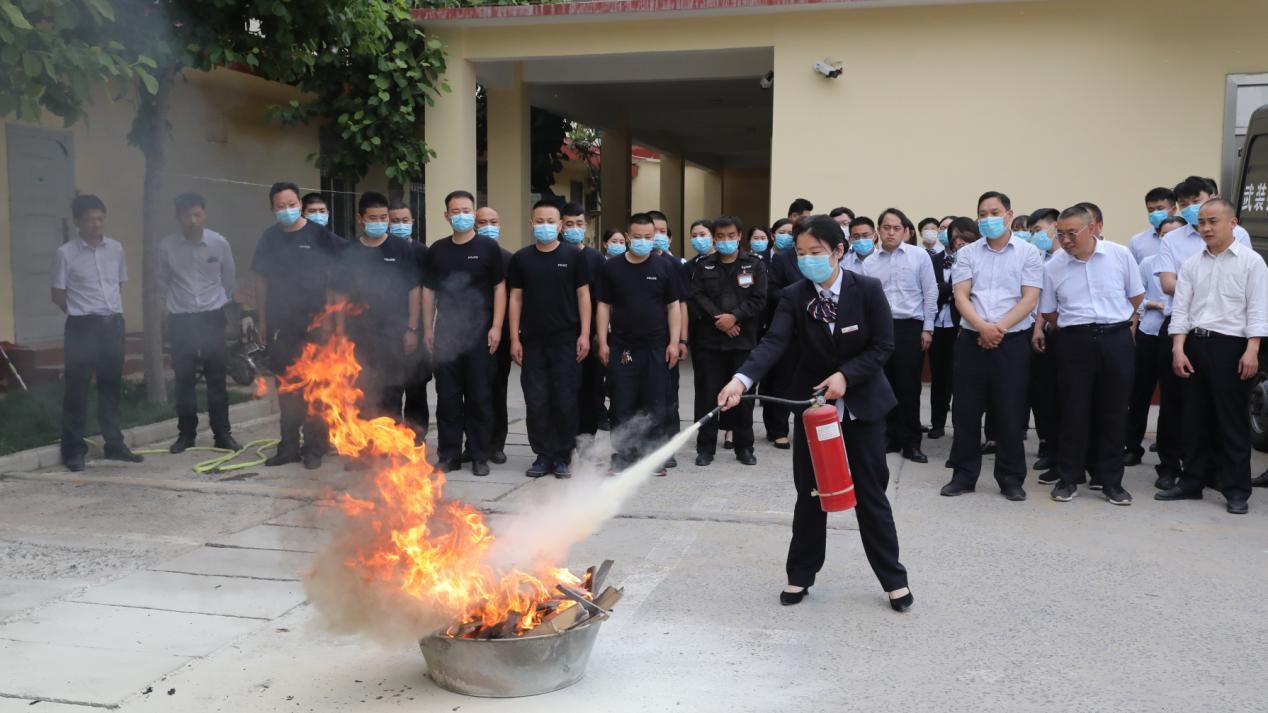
<point>862,236</point>
<point>88,272</point>
<point>906,273</point>
<point>1161,204</point>
<point>996,284</point>
<point>1090,292</point>
<point>1218,316</point>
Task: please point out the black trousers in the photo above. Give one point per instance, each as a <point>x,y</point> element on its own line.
<point>550,376</point>
<point>775,416</point>
<point>1042,390</point>
<point>714,368</point>
<point>993,379</point>
<point>1143,384</point>
<point>592,394</point>
<point>465,403</point>
<point>673,419</point>
<point>1171,410</point>
<point>903,372</point>
<point>1216,429</point>
<point>1094,374</point>
<point>94,346</point>
<point>941,363</point>
<point>417,415</point>
<point>294,416</point>
<point>640,384</point>
<point>199,337</point>
<point>501,380</point>
<point>865,449</point>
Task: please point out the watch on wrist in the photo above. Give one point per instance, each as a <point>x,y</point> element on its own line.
<point>412,330</point>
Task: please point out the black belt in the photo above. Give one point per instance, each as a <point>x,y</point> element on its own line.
<point>1096,329</point>
<point>1208,334</point>
<point>93,317</point>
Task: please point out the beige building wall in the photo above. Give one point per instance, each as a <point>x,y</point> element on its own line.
<point>644,189</point>
<point>1053,102</point>
<point>745,193</point>
<point>702,193</point>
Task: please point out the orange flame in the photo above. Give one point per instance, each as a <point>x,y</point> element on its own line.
<point>261,387</point>
<point>433,550</point>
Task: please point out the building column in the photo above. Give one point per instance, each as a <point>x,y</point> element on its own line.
<point>450,130</point>
<point>614,172</point>
<point>671,179</point>
<point>509,162</point>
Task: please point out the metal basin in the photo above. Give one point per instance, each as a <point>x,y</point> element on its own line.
<point>508,668</point>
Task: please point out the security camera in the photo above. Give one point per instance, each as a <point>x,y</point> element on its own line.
<point>829,68</point>
<point>767,81</point>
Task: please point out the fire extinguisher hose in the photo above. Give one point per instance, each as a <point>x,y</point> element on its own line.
<point>791,403</point>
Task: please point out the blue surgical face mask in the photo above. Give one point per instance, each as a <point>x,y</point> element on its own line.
<point>616,249</point>
<point>863,246</point>
<point>991,226</point>
<point>660,241</point>
<point>728,247</point>
<point>462,222</point>
<point>545,232</point>
<point>702,244</point>
<point>816,268</point>
<point>1157,216</point>
<point>759,245</point>
<point>641,247</point>
<point>1022,234</point>
<point>574,235</point>
<point>490,231</point>
<point>1042,241</point>
<point>942,237</point>
<point>783,241</point>
<point>318,218</point>
<point>1190,213</point>
<point>401,230</point>
<point>375,229</point>
<point>286,217</point>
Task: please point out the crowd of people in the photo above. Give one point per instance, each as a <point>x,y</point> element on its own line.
<point>1014,314</point>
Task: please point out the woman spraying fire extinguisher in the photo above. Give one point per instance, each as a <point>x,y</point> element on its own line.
<point>839,324</point>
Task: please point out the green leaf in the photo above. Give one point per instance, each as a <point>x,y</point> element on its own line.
<point>434,43</point>
<point>146,61</point>
<point>15,15</point>
<point>102,8</point>
<point>151,84</point>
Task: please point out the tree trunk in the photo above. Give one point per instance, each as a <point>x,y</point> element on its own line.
<point>151,135</point>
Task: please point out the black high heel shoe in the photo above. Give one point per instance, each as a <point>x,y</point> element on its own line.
<point>790,598</point>
<point>902,603</point>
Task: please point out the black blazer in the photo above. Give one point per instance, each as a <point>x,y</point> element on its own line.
<point>860,344</point>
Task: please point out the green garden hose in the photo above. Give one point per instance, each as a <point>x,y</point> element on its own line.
<point>222,463</point>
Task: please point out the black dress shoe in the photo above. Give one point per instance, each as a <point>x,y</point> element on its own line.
<point>1013,492</point>
<point>915,455</point>
<point>746,457</point>
<point>1043,463</point>
<point>953,489</point>
<point>1260,481</point>
<point>703,459</point>
<point>282,458</point>
<point>988,448</point>
<point>450,466</point>
<point>181,444</point>
<point>1048,478</point>
<point>1165,482</point>
<point>227,442</point>
<point>893,448</point>
<point>790,598</point>
<point>498,457</point>
<point>1178,493</point>
<point>312,460</point>
<point>672,462</point>
<point>902,603</point>
<point>1153,447</point>
<point>74,463</point>
<point>781,446</point>
<point>465,457</point>
<point>480,468</point>
<point>1131,458</point>
<point>1237,505</point>
<point>936,432</point>
<point>728,444</point>
<point>122,453</point>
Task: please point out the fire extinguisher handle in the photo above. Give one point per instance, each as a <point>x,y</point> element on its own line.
<point>818,399</point>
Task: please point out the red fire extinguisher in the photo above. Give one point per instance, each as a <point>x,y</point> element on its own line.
<point>827,456</point>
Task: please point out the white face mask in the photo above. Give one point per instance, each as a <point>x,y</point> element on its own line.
<point>929,237</point>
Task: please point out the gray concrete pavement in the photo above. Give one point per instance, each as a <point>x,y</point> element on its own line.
<point>123,583</point>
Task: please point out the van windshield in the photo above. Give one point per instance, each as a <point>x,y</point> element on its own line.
<point>1253,208</point>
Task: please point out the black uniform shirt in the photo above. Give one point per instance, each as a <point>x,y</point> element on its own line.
<point>549,280</point>
<point>638,294</point>
<point>463,278</point>
<point>378,280</point>
<point>737,288</point>
<point>298,266</point>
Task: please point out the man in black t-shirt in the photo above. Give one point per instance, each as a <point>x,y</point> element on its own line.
<point>639,301</point>
<point>550,335</point>
<point>292,263</point>
<point>379,277</point>
<point>590,406</point>
<point>464,303</point>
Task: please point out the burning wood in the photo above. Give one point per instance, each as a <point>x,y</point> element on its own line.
<point>553,616</point>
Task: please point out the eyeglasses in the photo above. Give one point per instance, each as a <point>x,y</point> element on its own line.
<point>1069,234</point>
<point>863,236</point>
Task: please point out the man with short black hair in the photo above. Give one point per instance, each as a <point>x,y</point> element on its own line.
<point>1160,203</point>
<point>293,262</point>
<point>799,208</point>
<point>1218,317</point>
<point>1090,292</point>
<point>549,309</point>
<point>316,209</point>
<point>639,302</point>
<point>862,237</point>
<point>197,277</point>
<point>87,275</point>
<point>464,306</point>
<point>842,216</point>
<point>379,276</point>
